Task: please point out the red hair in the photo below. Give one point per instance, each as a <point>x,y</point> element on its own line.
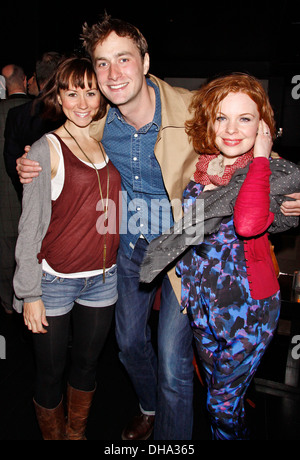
<point>205,105</point>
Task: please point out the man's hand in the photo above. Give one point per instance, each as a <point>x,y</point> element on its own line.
<point>27,169</point>
<point>291,208</point>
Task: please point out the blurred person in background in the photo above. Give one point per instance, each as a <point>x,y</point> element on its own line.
<point>25,125</point>
<point>10,207</point>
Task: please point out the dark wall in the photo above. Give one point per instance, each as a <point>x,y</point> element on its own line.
<point>194,39</point>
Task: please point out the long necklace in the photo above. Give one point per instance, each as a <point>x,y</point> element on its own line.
<point>105,207</point>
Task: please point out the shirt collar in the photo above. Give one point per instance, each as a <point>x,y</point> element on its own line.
<point>115,112</point>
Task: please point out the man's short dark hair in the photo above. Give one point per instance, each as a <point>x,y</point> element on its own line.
<point>97,33</point>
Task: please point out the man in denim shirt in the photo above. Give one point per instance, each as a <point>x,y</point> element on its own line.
<point>145,194</point>
<point>144,136</point>
<point>165,385</point>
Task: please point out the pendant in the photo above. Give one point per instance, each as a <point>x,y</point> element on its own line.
<point>105,223</point>
<point>104,261</point>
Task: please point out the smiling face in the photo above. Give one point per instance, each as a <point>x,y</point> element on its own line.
<point>80,105</point>
<point>120,69</point>
<point>236,125</point>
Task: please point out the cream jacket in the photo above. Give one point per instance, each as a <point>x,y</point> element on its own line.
<point>173,150</point>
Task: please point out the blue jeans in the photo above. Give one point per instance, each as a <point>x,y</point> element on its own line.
<point>164,384</point>
<point>59,294</point>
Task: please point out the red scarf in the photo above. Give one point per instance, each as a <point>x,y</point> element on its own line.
<point>209,169</point>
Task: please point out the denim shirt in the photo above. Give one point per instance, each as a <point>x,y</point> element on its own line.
<point>146,208</point>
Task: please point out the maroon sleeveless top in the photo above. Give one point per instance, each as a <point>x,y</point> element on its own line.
<point>75,238</point>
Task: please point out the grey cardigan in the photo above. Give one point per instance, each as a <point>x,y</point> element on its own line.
<point>33,225</point>
<point>208,210</point>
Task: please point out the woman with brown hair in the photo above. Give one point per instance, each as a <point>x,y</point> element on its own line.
<point>66,251</point>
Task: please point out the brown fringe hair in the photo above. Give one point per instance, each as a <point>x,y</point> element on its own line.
<point>71,71</point>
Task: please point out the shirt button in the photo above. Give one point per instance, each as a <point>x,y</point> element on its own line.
<point>135,135</point>
<point>134,158</point>
<point>136,177</point>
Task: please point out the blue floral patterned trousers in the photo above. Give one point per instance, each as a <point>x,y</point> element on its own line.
<point>230,353</point>
<point>231,330</point>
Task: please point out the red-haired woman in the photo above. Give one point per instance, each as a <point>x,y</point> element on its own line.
<point>229,286</point>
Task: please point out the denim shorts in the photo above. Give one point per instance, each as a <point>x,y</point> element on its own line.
<point>59,294</point>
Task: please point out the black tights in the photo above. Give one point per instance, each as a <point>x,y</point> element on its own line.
<point>90,327</point>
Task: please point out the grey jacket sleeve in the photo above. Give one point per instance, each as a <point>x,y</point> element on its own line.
<point>33,225</point>
<point>285,180</point>
<point>218,203</point>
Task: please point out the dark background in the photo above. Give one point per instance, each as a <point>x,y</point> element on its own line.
<point>182,38</point>
<point>186,40</point>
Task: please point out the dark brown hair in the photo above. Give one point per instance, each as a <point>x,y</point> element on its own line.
<point>205,105</point>
<point>72,71</point>
<point>97,33</point>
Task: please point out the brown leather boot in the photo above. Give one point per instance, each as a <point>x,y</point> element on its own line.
<point>52,422</point>
<point>78,403</point>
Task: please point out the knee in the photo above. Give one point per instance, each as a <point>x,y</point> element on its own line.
<point>176,350</point>
<point>176,369</point>
<point>130,345</point>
